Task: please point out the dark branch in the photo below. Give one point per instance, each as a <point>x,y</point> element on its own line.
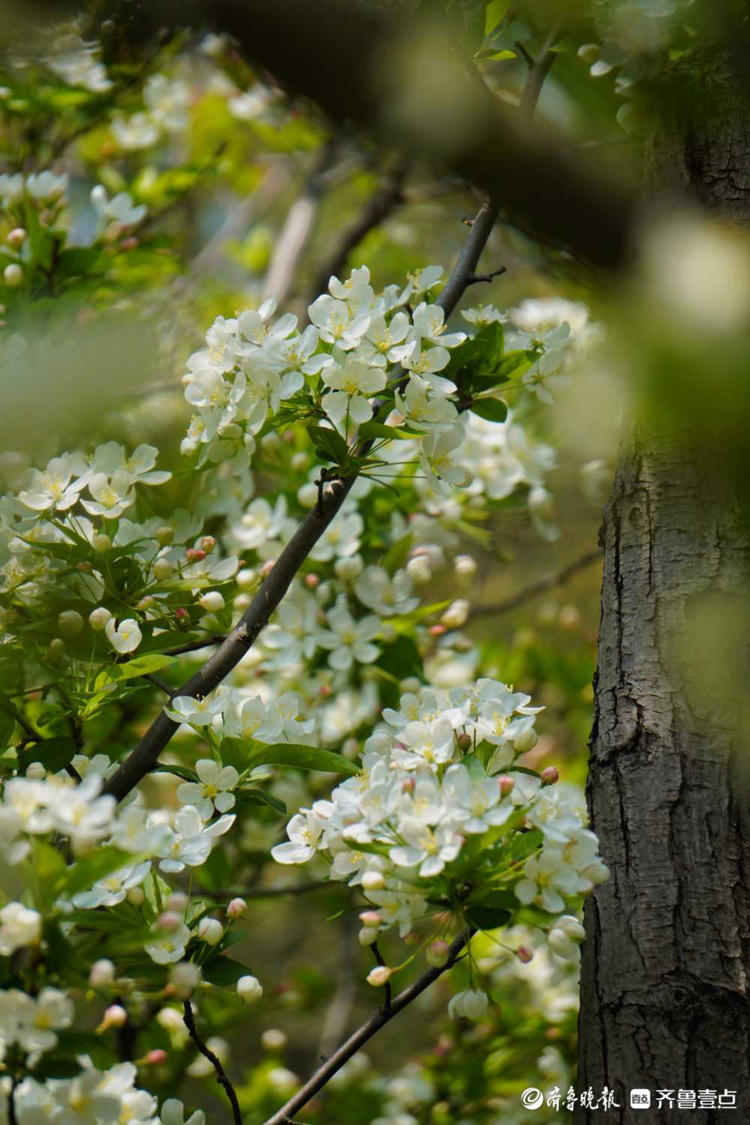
<point>477,277</point>
<point>221,1074</point>
<point>377,1021</point>
<point>549,582</point>
<point>193,646</point>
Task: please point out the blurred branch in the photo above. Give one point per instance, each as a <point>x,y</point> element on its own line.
<point>377,1021</point>
<point>298,226</point>
<point>273,892</point>
<point>221,1074</point>
<point>534,589</point>
<point>539,68</point>
<point>379,207</point>
<point>193,646</point>
<point>357,61</point>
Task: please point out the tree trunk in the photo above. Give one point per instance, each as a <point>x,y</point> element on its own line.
<point>664,989</point>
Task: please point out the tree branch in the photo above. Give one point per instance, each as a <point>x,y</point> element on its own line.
<point>221,1074</point>
<point>145,755</point>
<point>379,206</point>
<point>376,1021</point>
<point>534,589</point>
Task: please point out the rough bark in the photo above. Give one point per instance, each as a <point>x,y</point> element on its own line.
<point>664,992</point>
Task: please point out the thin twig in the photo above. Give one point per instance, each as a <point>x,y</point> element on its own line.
<point>379,959</point>
<point>376,1021</point>
<point>193,646</point>
<point>534,589</point>
<point>388,196</point>
<point>161,684</point>
<point>465,267</point>
<point>538,70</point>
<point>12,1118</point>
<point>477,277</point>
<point>221,1074</point>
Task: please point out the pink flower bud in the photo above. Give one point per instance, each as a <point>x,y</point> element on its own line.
<point>155,1057</point>
<point>208,543</point>
<point>237,908</point>
<point>524,954</point>
<point>178,900</point>
<point>407,785</point>
<point>437,953</point>
<point>507,785</point>
<point>16,238</point>
<point>371,918</point>
<point>114,1016</point>
<point>169,921</point>
<point>437,630</point>
<point>129,243</point>
<point>312,580</point>
<point>379,976</point>
<point>181,613</point>
<point>549,776</point>
<point>194,554</point>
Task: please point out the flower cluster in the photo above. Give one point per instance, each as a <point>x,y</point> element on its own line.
<point>429,807</point>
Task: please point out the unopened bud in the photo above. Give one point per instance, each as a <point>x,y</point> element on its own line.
<point>249,989</point>
<point>70,623</point>
<point>524,954</point>
<point>56,649</point>
<point>155,1057</point>
<point>373,881</point>
<point>237,908</point>
<point>13,275</point>
<point>136,896</point>
<point>36,771</point>
<point>99,617</point>
<point>456,614</point>
<point>407,785</point>
<point>437,630</point>
<point>195,554</point>
<point>465,742</point>
<point>184,978</point>
<point>210,930</point>
<point>379,976</point>
<point>507,785</point>
<point>246,578</point>
<point>115,1016</point>
<point>212,601</point>
<point>312,580</point>
<point>349,568</point>
<point>465,569</point>
<point>207,544</point>
<point>368,935</point>
<point>549,775</point>
<point>102,543</point>
<point>526,741</point>
<point>163,568</point>
<point>169,921</point>
<point>371,918</point>
<point>419,570</point>
<point>178,900</point>
<point>102,973</point>
<point>181,613</point>
<point>273,1039</point>
<point>164,535</point>
<point>437,953</point>
<point>16,238</point>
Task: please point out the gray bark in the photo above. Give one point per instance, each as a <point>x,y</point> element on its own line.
<point>664,990</point>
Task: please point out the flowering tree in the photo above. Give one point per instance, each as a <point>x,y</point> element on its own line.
<point>229,643</point>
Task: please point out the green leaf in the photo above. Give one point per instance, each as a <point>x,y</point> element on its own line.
<point>302,757</point>
<point>492,409</point>
<point>253,796</point>
<point>329,445</point>
<point>54,753</point>
<point>488,917</point>
<point>378,430</point>
<point>494,14</point>
<point>401,659</point>
<point>7,725</point>
<point>87,871</point>
<point>140,666</point>
<point>223,972</point>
